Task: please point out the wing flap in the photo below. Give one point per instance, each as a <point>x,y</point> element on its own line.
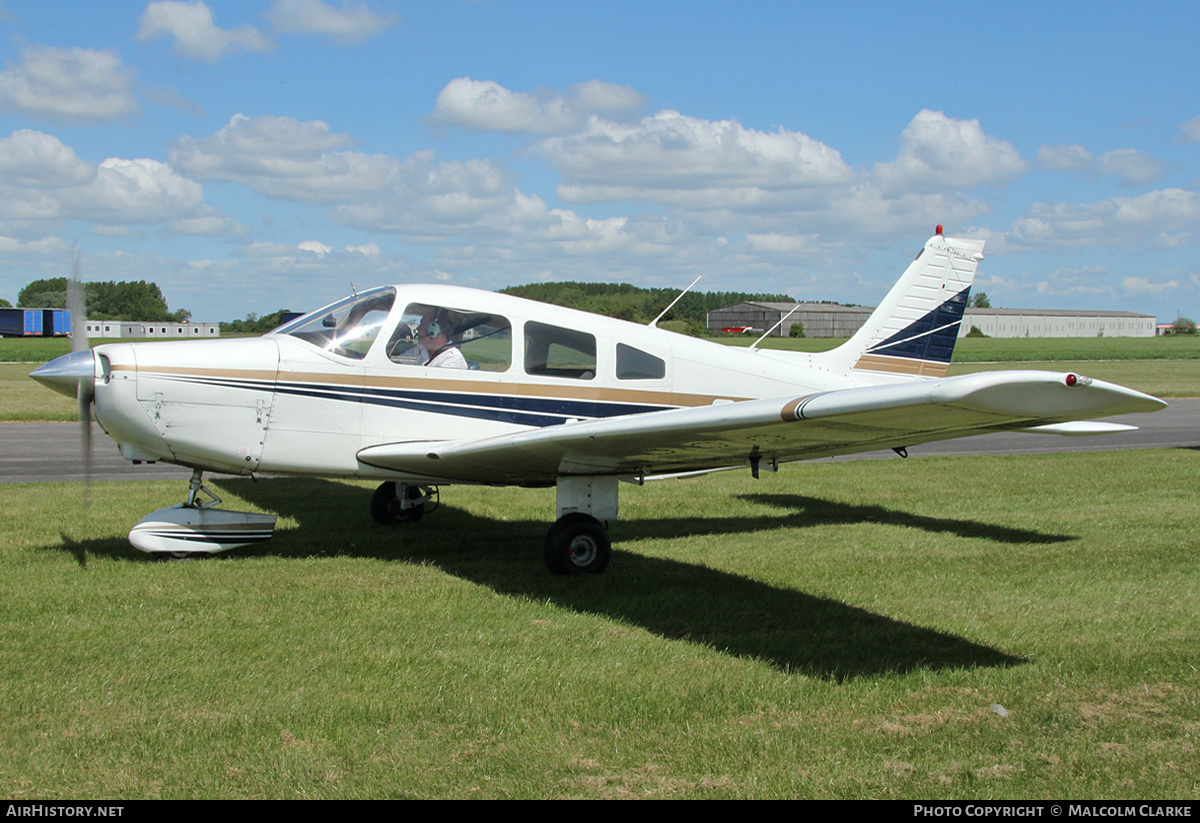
<point>831,423</point>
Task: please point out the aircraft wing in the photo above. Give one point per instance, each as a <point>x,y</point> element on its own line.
<point>830,423</point>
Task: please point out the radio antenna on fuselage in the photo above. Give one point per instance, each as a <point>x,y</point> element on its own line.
<point>654,322</point>
<point>773,328</point>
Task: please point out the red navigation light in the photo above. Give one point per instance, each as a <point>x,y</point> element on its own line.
<point>939,231</point>
<point>1072,380</point>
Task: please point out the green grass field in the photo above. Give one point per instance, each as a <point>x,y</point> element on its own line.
<point>836,630</point>
<point>984,627</point>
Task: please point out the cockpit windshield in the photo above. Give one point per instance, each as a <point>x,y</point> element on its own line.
<point>348,327</point>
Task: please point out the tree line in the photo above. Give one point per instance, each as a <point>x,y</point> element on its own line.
<point>621,300</point>
<point>640,305</point>
<point>253,324</point>
<point>107,300</point>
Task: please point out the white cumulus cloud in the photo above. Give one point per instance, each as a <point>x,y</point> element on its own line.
<point>193,28</point>
<point>432,199</point>
<point>345,25</point>
<point>68,85</point>
<point>285,158</point>
<point>41,179</point>
<point>484,105</point>
<point>1132,167</point>
<point>1144,285</point>
<point>34,159</point>
<point>207,222</point>
<point>670,157</point>
<point>1164,219</point>
<point>722,178</point>
<point>1065,158</point>
<point>137,191</point>
<point>314,247</point>
<point>606,99</point>
<point>306,162</point>
<point>939,153</point>
<point>1190,131</point>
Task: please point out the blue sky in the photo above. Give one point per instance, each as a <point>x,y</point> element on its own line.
<point>249,156</point>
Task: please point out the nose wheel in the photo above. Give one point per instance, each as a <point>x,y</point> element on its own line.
<point>577,544</point>
<point>394,503</point>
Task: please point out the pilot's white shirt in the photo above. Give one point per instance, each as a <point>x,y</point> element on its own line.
<point>448,358</point>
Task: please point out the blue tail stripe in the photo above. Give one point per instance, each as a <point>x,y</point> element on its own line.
<point>930,338</point>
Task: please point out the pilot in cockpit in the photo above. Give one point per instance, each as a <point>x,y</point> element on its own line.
<point>435,334</point>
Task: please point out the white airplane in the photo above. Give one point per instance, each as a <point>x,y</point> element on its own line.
<point>420,386</point>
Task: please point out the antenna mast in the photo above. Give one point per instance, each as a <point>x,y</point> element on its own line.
<point>773,328</point>
<point>654,322</point>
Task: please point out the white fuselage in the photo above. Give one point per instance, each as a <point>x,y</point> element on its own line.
<point>294,403</point>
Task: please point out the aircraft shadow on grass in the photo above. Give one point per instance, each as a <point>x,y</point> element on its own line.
<point>813,511</point>
<point>793,631</point>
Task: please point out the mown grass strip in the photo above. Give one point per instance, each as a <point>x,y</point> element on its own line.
<point>838,629</point>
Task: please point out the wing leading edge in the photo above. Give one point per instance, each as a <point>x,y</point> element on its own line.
<point>831,423</point>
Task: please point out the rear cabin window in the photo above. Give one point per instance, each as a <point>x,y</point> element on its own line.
<point>552,351</point>
<point>635,364</point>
<point>427,334</point>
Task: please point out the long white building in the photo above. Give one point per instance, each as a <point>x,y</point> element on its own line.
<point>1057,323</point>
<point>152,331</point>
<point>829,320</point>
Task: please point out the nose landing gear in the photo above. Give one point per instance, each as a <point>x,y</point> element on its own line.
<point>198,527</point>
<point>394,503</point>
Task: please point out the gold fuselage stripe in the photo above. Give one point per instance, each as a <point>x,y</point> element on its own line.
<point>902,365</point>
<point>484,385</point>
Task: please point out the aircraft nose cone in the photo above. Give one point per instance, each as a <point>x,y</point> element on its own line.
<point>63,374</point>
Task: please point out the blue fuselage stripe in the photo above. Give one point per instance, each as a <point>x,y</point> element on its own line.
<point>519,410</point>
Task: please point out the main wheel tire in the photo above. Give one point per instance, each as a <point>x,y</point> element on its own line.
<point>577,544</point>
<point>385,505</point>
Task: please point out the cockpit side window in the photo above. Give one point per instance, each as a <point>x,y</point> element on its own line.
<point>346,328</point>
<point>552,351</point>
<point>439,336</point>
<point>635,364</point>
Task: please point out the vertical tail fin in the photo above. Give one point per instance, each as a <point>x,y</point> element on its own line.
<point>913,331</point>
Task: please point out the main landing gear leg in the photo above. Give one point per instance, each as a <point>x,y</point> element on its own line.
<point>578,542</point>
